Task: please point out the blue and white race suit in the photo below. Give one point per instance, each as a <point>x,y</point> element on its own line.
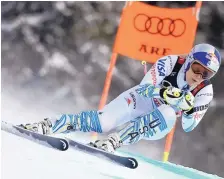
<point>141,109</point>
<point>135,105</point>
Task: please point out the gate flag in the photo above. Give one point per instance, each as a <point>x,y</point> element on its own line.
<point>149,32</point>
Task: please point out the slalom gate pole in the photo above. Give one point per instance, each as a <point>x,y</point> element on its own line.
<point>168,144</point>
<point>107,84</point>
<point>145,66</point>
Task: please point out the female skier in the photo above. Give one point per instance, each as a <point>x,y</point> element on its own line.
<point>149,110</point>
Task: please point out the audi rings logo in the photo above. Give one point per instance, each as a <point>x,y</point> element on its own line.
<point>157,25</point>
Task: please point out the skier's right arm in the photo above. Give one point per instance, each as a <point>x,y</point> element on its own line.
<point>150,84</point>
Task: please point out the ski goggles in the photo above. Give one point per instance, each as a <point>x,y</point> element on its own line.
<point>198,68</point>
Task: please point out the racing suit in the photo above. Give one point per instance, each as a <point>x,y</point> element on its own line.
<point>141,108</point>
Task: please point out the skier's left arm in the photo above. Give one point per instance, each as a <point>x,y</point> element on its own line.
<point>192,118</point>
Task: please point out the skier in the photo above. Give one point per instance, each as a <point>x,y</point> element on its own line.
<point>174,84</point>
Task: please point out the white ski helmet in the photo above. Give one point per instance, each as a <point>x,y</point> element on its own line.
<point>206,55</point>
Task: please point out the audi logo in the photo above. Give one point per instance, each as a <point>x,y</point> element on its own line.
<point>157,25</point>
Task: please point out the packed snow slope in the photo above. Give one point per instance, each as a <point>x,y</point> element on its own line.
<point>25,159</point>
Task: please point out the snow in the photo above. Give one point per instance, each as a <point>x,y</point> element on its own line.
<point>22,158</point>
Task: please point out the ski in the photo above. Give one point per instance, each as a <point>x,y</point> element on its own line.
<point>55,142</point>
<point>128,162</point>
<point>64,144</point>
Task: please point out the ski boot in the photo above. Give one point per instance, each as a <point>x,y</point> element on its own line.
<point>44,127</point>
<point>109,145</point>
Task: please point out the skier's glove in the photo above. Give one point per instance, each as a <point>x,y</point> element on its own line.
<point>187,102</point>
<point>178,98</point>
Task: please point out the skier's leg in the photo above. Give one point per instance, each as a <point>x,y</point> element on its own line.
<point>127,106</point>
<point>85,121</point>
<point>122,109</point>
<point>152,126</point>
